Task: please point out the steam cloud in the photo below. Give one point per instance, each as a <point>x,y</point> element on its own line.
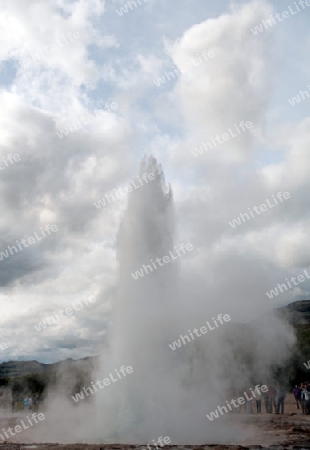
<point>169,393</point>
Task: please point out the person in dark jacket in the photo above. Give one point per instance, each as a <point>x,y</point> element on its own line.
<point>302,399</point>
<point>272,398</point>
<point>281,394</point>
<point>297,395</point>
<point>267,402</point>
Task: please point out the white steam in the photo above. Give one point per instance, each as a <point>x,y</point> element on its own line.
<point>170,392</point>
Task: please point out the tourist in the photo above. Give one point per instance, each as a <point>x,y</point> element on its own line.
<point>243,405</point>
<point>307,397</point>
<point>272,399</point>
<point>267,402</point>
<point>30,402</point>
<point>249,403</point>
<point>25,402</point>
<point>36,402</point>
<point>258,405</point>
<point>297,395</point>
<point>303,398</point>
<point>281,394</point>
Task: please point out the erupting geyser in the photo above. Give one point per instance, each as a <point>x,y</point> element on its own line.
<point>168,392</point>
<point>145,311</point>
<point>165,395</point>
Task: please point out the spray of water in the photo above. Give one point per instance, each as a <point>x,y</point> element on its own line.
<point>169,392</point>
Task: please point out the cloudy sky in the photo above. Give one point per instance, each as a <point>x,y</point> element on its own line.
<point>88,62</point>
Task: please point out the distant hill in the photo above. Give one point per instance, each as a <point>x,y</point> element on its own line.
<point>20,379</point>
<point>12,369</point>
<point>297,314</point>
<point>19,368</point>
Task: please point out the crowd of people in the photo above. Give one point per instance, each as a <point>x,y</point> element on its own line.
<point>273,400</point>
<point>269,402</point>
<point>26,403</point>
<point>302,397</point>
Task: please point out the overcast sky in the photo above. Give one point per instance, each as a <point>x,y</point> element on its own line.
<point>62,60</point>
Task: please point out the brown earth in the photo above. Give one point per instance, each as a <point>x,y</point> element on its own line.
<point>289,431</point>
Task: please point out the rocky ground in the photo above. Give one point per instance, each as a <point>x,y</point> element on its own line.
<point>288,431</point>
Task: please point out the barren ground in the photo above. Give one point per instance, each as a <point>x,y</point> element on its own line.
<point>288,431</point>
